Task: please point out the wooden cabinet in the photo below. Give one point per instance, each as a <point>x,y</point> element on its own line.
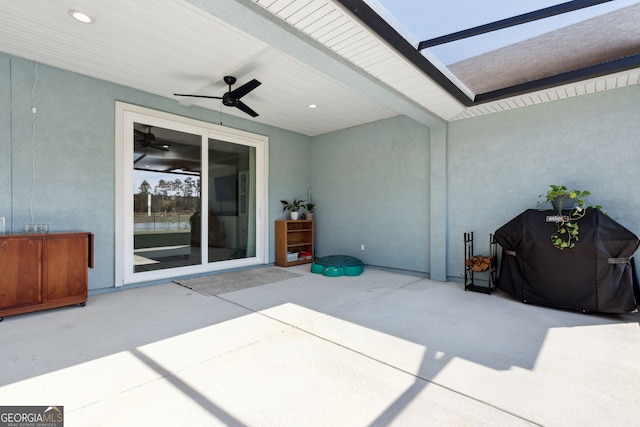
<point>41,271</point>
<point>294,236</point>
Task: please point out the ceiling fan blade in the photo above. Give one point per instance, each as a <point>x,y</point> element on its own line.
<point>242,106</point>
<point>241,91</point>
<point>168,141</point>
<point>198,96</point>
<point>139,132</point>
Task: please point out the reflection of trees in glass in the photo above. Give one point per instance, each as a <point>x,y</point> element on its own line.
<point>175,196</point>
<point>145,187</point>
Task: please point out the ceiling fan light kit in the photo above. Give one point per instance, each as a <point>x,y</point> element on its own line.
<point>232,97</point>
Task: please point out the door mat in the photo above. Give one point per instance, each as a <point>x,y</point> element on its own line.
<point>215,284</point>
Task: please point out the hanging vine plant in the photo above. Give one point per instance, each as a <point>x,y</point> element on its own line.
<point>571,206</point>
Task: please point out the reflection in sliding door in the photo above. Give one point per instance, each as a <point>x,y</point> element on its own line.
<point>231,232</point>
<point>190,198</point>
<point>166,194</point>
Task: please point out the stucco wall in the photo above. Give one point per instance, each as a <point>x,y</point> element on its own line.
<point>73,154</point>
<point>371,187</point>
<point>371,183</point>
<point>498,164</point>
<point>5,137</point>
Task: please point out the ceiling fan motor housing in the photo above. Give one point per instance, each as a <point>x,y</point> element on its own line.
<point>229,100</point>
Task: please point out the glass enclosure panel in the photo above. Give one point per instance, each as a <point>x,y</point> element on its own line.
<point>231,211</point>
<point>166,198</point>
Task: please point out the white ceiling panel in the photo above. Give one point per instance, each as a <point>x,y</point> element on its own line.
<point>336,29</point>
<point>170,46</point>
<point>303,52</point>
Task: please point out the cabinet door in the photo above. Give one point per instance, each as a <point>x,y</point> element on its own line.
<point>65,266</point>
<point>20,272</point>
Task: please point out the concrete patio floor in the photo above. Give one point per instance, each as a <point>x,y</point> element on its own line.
<point>377,349</point>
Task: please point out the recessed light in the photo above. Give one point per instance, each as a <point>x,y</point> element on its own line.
<point>81,17</point>
<point>312,106</point>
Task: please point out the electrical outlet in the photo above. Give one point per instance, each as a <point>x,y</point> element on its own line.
<point>361,247</point>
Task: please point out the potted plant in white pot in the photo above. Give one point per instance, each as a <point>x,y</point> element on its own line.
<point>293,207</point>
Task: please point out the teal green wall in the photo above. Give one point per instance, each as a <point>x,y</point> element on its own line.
<point>5,137</point>
<point>407,192</point>
<point>74,154</point>
<point>498,164</point>
<point>371,187</point>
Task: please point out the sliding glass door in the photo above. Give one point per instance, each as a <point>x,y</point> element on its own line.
<point>166,198</point>
<point>195,191</point>
<point>231,177</point>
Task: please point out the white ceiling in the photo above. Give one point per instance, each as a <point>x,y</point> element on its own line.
<point>303,52</point>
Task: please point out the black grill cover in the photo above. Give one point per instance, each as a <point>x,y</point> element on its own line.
<point>596,275</point>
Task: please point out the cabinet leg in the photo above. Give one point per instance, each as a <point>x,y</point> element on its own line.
<point>82,304</point>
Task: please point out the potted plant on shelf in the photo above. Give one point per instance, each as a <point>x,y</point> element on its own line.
<point>571,206</point>
<point>310,207</point>
<point>293,207</point>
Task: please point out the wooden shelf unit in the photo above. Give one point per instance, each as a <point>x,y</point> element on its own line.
<point>41,271</point>
<point>293,236</point>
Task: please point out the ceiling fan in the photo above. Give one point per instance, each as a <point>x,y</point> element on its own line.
<point>149,140</point>
<point>232,97</point>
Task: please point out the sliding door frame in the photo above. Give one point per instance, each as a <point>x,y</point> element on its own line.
<point>125,116</point>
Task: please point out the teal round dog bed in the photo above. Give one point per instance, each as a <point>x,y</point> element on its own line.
<point>337,265</point>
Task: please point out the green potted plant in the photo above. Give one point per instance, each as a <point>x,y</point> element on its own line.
<point>310,207</point>
<point>293,207</point>
<point>571,206</point>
